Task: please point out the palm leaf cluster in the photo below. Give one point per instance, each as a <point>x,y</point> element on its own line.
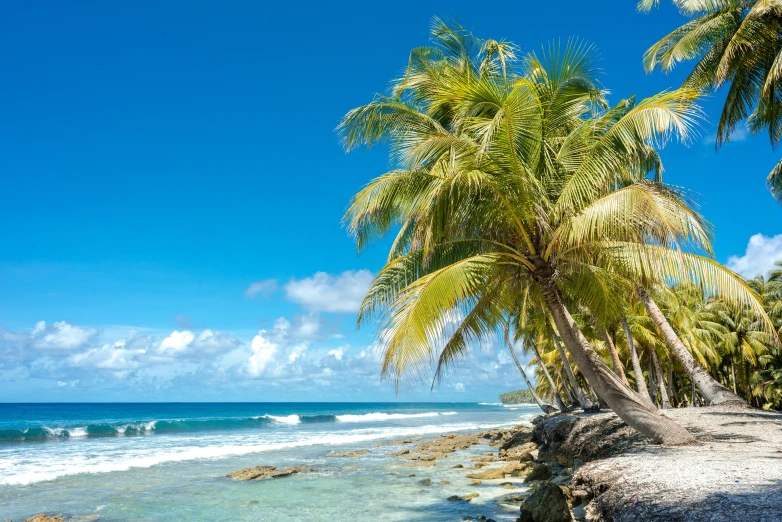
<point>736,44</point>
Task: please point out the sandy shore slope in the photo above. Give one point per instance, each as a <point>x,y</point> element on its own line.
<point>733,473</point>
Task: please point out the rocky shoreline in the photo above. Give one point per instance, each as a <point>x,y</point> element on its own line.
<point>514,463</point>
<point>591,467</point>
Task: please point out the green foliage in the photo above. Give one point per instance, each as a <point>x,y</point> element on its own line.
<point>736,44</point>
<point>506,169</point>
<point>517,397</point>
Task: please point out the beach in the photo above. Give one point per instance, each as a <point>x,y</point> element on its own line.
<point>400,462</point>
<point>130,462</point>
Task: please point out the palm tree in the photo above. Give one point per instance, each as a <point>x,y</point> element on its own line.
<point>615,360</point>
<point>515,181</point>
<point>547,408</point>
<point>549,374</point>
<point>766,380</point>
<point>583,399</point>
<point>735,43</point>
<point>531,329</point>
<point>711,389</point>
<point>745,340</point>
<point>640,383</point>
<point>769,289</point>
<point>660,380</point>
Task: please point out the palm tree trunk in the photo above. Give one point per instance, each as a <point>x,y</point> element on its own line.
<point>583,400</point>
<point>665,401</point>
<point>733,375</point>
<point>628,405</point>
<point>640,382</point>
<point>713,392</point>
<point>566,385</point>
<point>617,363</point>
<point>554,389</point>
<point>693,394</point>
<point>547,408</point>
<point>673,392</point>
<point>652,380</point>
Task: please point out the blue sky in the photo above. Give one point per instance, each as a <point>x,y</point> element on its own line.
<point>173,189</point>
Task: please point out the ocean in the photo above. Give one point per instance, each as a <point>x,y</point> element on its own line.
<point>168,461</point>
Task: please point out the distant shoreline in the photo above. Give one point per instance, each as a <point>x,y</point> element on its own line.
<point>517,397</point>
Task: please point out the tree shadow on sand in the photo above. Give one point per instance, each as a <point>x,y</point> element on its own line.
<point>751,503</point>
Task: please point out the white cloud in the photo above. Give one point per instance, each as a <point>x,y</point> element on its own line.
<point>297,352</point>
<point>761,255</point>
<point>176,342</point>
<point>282,329</point>
<point>187,363</point>
<point>263,352</point>
<point>114,357</point>
<point>338,353</point>
<point>261,288</point>
<point>189,344</point>
<point>64,352</point>
<point>307,327</point>
<point>323,292</point>
<point>61,336</point>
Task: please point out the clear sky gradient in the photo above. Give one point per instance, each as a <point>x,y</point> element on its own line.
<point>159,158</point>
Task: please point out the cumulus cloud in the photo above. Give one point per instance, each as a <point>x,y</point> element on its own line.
<point>115,357</point>
<point>62,350</point>
<point>338,353</point>
<point>308,327</point>
<point>261,288</point>
<point>324,292</point>
<point>293,355</point>
<point>176,342</point>
<point>189,344</point>
<point>263,352</point>
<point>761,255</point>
<point>60,336</point>
<point>297,352</point>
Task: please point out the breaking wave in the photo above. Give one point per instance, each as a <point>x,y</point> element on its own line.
<point>43,433</point>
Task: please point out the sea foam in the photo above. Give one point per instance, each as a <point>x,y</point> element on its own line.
<point>372,417</point>
<point>22,469</point>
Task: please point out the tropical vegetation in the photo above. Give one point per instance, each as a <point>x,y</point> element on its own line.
<point>737,44</point>
<point>517,397</point>
<point>527,210</point>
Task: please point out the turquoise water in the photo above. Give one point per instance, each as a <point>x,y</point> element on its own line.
<point>168,461</point>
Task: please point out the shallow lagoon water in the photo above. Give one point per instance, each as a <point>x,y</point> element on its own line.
<point>179,474</point>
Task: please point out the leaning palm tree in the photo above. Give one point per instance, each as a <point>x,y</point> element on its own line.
<point>581,397</point>
<point>712,390</point>
<point>640,382</point>
<point>531,329</point>
<point>547,408</point>
<point>515,181</point>
<point>735,43</point>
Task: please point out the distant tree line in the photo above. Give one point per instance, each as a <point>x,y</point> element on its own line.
<point>517,397</point>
